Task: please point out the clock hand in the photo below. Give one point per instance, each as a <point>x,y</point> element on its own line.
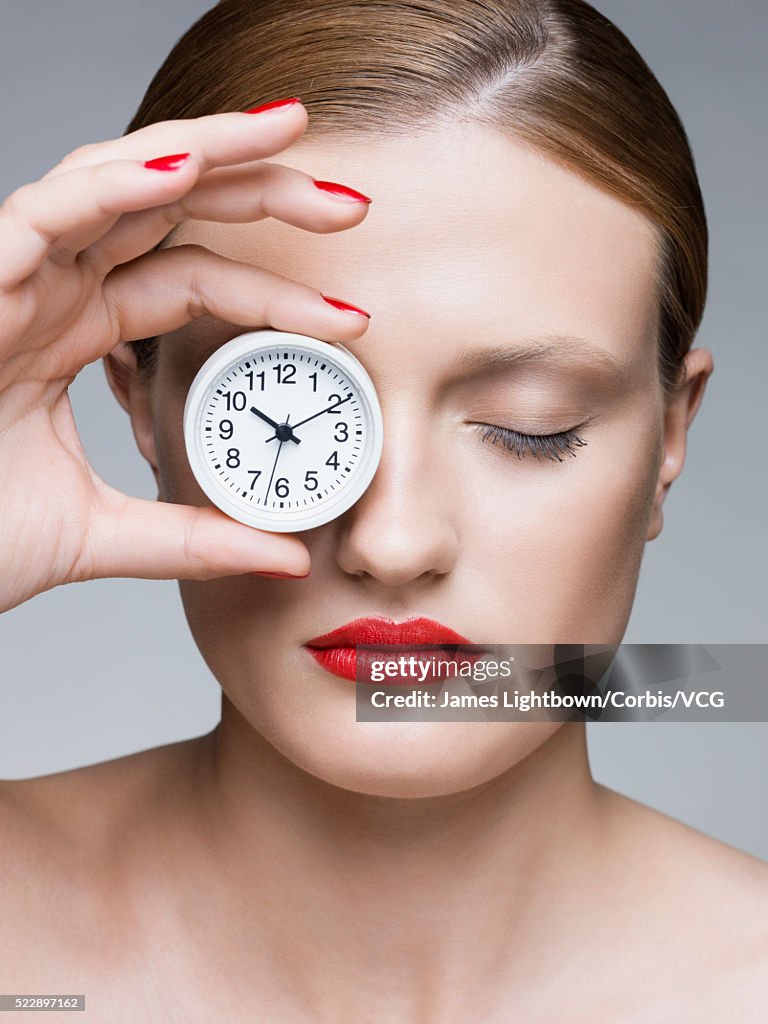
<point>272,423</point>
<point>274,464</point>
<point>302,422</point>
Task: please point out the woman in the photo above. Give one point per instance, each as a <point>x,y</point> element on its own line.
<point>532,265</point>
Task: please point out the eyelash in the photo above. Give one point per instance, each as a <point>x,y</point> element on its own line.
<point>548,446</point>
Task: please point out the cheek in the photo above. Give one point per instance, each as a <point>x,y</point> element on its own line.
<point>177,482</point>
<point>561,544</point>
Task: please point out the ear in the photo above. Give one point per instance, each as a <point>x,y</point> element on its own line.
<point>132,389</point>
<point>679,413</point>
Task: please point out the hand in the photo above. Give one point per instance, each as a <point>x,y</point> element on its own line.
<point>78,281</point>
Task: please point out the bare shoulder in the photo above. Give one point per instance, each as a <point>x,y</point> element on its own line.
<point>700,899</point>
<point>65,840</point>
<point>83,803</point>
<point>684,853</point>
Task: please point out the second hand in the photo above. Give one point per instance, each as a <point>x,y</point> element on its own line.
<point>274,464</point>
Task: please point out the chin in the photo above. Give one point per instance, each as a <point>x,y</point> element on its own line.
<point>416,759</point>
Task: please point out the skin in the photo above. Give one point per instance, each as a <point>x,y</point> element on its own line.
<point>296,861</point>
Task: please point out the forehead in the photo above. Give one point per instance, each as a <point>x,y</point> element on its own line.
<point>469,228</point>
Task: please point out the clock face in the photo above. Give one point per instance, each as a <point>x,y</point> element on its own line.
<point>283,431</point>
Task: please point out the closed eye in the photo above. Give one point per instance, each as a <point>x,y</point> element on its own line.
<point>539,446</point>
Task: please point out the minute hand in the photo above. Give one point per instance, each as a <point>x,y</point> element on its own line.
<point>334,406</point>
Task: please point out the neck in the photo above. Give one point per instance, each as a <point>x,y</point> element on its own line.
<point>414,889</point>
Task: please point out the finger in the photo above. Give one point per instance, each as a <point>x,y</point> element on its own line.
<point>162,291</point>
<point>238,194</point>
<point>232,137</point>
<point>158,540</point>
<point>55,217</point>
<point>34,218</point>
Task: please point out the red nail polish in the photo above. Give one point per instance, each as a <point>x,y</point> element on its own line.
<point>343,191</point>
<point>273,104</point>
<point>346,306</point>
<point>282,575</point>
<point>167,163</point>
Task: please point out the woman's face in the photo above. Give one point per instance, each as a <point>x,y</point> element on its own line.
<point>475,250</point>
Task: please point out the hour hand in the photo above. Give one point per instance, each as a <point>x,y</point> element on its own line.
<point>275,424</point>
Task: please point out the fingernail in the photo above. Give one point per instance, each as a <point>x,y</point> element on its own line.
<point>346,306</point>
<point>342,191</point>
<point>167,163</point>
<point>282,575</point>
<point>273,104</point>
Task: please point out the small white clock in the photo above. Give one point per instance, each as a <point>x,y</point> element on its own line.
<point>283,431</point>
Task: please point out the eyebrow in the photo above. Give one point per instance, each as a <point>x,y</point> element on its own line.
<point>567,350</point>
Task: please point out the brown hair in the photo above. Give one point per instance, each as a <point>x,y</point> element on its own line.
<point>555,73</point>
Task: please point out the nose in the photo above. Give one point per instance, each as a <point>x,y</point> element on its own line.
<point>403,527</point>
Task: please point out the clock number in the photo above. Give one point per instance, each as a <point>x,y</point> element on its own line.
<point>310,477</point>
<point>251,374</point>
<point>226,429</point>
<point>255,473</point>
<point>233,458</point>
<point>344,429</point>
<point>235,400</point>
<point>281,487</point>
<point>333,460</point>
<point>313,378</point>
<point>285,373</point>
<point>334,408</point>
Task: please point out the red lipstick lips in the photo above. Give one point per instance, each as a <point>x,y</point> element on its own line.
<point>337,653</point>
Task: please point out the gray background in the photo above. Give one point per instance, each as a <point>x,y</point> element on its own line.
<point>97,670</point>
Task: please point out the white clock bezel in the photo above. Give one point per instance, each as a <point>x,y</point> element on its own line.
<point>280,521</point>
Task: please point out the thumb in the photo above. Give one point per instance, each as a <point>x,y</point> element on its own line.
<point>159,540</point>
